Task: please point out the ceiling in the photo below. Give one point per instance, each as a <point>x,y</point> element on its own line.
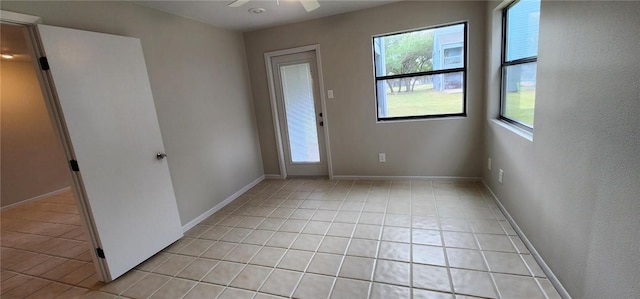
<point>278,12</point>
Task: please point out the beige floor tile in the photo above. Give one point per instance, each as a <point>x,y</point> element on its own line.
<point>533,265</point>
<point>384,291</point>
<point>219,250</point>
<point>487,227</point>
<point>223,273</point>
<point>397,220</point>
<point>174,265</point>
<point>371,218</point>
<point>395,251</point>
<point>454,224</point>
<point>284,223</point>
<point>197,269</point>
<point>197,230</point>
<point>327,264</point>
<point>459,240</point>
<point>368,231</point>
<point>154,261</point>
<point>79,274</point>
<point>243,253</point>
<point>215,233</point>
<point>258,237</point>
<point>514,286</point>
<point>236,235</point>
<point>231,293</point>
<point>197,247</point>
<point>316,227</point>
<point>396,234</point>
<point>345,288</point>
<point>251,277</point>
<point>314,286</point>
<point>425,294</point>
<point>475,283</point>
<point>146,286</point>
<point>268,256</point>
<point>123,282</point>
<point>282,239</point>
<point>495,243</point>
<point>548,288</point>
<point>392,272</point>
<point>426,237</point>
<point>51,290</point>
<point>303,214</point>
<point>175,288</point>
<point>27,288</point>
<point>363,248</point>
<point>341,229</point>
<point>466,259</point>
<point>336,245</point>
<point>281,282</point>
<point>431,277</point>
<point>62,270</point>
<point>509,263</point>
<point>295,260</point>
<point>307,242</point>
<point>430,255</point>
<point>250,222</point>
<point>357,267</point>
<point>425,222</point>
<point>204,290</point>
<point>347,217</point>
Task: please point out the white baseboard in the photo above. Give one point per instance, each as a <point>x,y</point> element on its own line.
<point>26,201</point>
<point>543,265</point>
<point>405,178</point>
<point>273,177</point>
<point>221,205</point>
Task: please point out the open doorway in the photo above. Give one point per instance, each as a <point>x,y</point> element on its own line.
<point>43,236</point>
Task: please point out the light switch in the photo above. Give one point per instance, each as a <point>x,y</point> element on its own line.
<point>330,93</point>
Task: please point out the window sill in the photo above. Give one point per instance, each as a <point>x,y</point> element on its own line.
<point>520,132</point>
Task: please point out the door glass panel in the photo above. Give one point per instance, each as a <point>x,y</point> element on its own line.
<point>297,90</point>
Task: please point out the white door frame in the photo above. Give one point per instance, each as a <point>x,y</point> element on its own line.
<point>49,95</point>
<point>274,107</point>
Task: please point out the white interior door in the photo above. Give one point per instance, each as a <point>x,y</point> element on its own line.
<point>105,102</point>
<point>300,113</point>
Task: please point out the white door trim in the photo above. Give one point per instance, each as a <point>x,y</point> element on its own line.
<point>48,94</point>
<point>274,111</point>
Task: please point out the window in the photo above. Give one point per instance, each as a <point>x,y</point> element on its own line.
<point>521,23</point>
<point>421,73</point>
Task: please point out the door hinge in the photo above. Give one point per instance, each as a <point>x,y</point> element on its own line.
<point>44,63</point>
<point>74,165</point>
<point>100,252</point>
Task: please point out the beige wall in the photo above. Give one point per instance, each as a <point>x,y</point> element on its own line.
<point>199,81</point>
<point>437,147</point>
<point>33,163</point>
<point>575,189</point>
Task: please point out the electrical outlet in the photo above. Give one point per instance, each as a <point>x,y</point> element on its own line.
<point>382,157</point>
<point>500,175</point>
<point>489,164</point>
<point>330,93</point>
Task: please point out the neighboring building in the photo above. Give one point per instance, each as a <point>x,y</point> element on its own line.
<point>448,53</point>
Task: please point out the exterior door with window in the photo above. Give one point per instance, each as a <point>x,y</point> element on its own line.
<point>300,113</point>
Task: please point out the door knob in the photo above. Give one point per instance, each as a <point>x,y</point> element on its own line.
<point>161,156</point>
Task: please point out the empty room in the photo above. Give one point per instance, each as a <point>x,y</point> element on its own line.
<point>320,149</point>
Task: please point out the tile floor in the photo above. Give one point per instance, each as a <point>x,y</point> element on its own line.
<point>301,239</point>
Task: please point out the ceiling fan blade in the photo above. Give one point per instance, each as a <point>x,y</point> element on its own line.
<point>238,3</point>
<point>310,5</point>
